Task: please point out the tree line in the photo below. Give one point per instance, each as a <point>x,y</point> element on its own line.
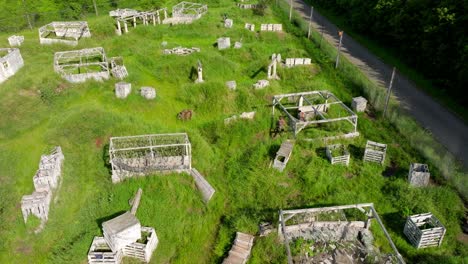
<point>431,36</point>
<point>16,15</point>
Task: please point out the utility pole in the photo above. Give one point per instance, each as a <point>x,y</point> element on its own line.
<point>290,10</point>
<point>321,34</point>
<point>95,8</point>
<point>389,91</point>
<point>310,21</point>
<point>27,15</point>
<point>339,49</point>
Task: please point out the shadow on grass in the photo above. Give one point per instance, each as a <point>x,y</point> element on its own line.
<point>355,151</point>
<point>99,221</point>
<point>193,74</point>
<point>321,153</point>
<point>394,222</point>
<point>394,170</point>
<point>106,158</point>
<point>254,75</point>
<point>272,151</point>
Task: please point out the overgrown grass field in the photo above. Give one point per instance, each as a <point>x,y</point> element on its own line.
<point>40,110</point>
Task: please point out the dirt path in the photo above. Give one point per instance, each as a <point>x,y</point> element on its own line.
<point>450,130</point>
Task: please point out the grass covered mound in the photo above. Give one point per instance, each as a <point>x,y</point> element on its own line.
<point>40,110</point>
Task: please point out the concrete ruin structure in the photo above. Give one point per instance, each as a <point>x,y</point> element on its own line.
<point>260,84</point>
<point>283,155</point>
<point>46,181</point>
<point>240,250</point>
<point>118,69</point>
<point>351,239</point>
<point>199,73</point>
<point>375,152</point>
<point>64,32</point>
<point>123,17</point>
<point>78,66</point>
<point>418,175</point>
<point>337,154</point>
<point>231,85</point>
<point>135,156</point>
<point>10,62</point>
<point>247,6</point>
<point>359,104</point>
<point>228,23</point>
<point>186,13</point>
<point>15,41</point>
<point>271,27</point>
<point>148,93</point>
<point>122,89</point>
<point>306,109</point>
<point>237,45</point>
<point>124,237</point>
<point>224,43</point>
<point>181,51</point>
<point>424,230</point>
<point>292,62</point>
<point>148,154</point>
<point>244,115</point>
<point>275,59</point>
<point>250,27</point>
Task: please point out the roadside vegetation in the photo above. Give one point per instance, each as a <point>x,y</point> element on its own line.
<point>40,110</point>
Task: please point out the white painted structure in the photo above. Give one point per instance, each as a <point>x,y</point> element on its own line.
<point>10,62</point>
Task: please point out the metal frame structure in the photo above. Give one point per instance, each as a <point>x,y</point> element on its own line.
<point>65,32</point>
<point>305,104</point>
<point>146,154</point>
<point>371,213</point>
<point>189,10</point>
<point>186,12</point>
<point>66,62</point>
<point>133,16</point>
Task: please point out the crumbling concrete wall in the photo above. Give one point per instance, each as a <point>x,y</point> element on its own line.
<point>10,63</point>
<point>45,181</point>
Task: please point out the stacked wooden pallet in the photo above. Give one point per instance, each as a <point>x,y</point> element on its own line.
<point>240,251</point>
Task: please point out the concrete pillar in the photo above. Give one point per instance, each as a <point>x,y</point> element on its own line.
<point>118,27</point>
<point>274,69</point>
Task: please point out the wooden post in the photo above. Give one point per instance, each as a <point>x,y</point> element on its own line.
<point>389,91</point>
<point>310,21</point>
<point>290,9</point>
<point>321,35</point>
<point>339,49</point>
<point>136,201</point>
<point>95,8</point>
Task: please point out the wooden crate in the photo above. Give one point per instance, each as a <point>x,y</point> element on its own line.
<point>342,158</point>
<point>375,152</point>
<point>419,235</point>
<point>100,253</point>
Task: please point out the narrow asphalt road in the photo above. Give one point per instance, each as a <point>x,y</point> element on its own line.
<point>446,127</point>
